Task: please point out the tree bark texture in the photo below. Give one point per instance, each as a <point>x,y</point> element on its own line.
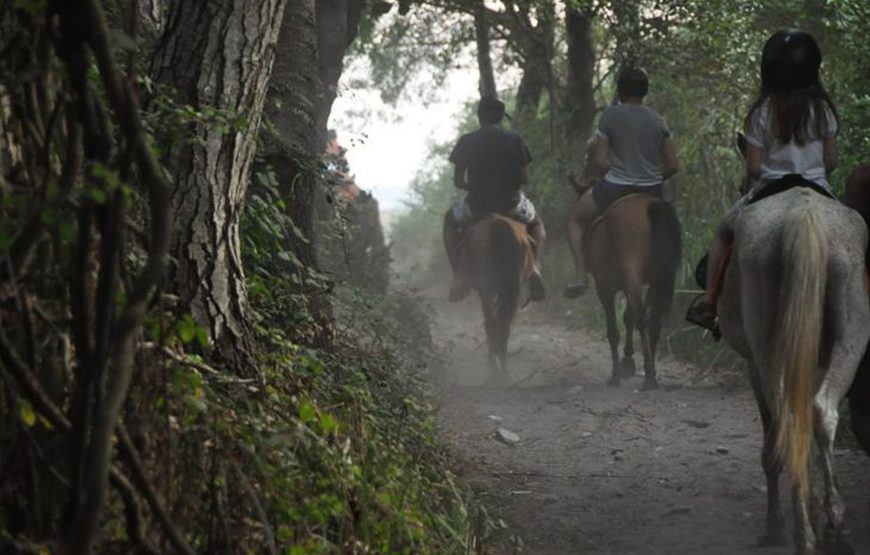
<point>216,55</point>
<point>337,27</point>
<point>535,45</point>
<point>484,58</point>
<point>293,149</point>
<point>580,96</point>
<point>536,78</point>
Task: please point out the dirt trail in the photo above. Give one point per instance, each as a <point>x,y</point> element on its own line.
<point>606,470</point>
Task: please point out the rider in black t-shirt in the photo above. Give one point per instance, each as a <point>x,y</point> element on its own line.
<point>491,164</point>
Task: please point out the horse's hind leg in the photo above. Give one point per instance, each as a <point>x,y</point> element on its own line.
<point>859,416</point>
<point>635,311</point>
<point>627,367</point>
<point>849,339</point>
<point>606,297</point>
<point>826,426</point>
<point>490,324</point>
<point>773,533</point>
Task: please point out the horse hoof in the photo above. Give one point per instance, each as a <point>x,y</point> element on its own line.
<point>627,368</point>
<point>650,384</point>
<point>614,381</point>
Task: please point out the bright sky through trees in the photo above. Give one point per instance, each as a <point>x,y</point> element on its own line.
<point>388,145</point>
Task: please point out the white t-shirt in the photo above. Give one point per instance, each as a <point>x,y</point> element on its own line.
<point>778,160</point>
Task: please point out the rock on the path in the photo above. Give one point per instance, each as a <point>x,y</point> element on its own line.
<point>507,436</point>
<point>495,418</point>
<point>678,511</point>
<point>721,450</point>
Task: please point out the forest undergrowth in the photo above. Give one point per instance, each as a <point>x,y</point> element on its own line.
<point>224,410</point>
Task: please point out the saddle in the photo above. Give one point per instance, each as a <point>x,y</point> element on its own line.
<point>784,184</point>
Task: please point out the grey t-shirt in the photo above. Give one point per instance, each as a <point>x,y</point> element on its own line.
<point>636,140</point>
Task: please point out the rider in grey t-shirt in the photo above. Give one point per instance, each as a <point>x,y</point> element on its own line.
<point>636,138</point>
<point>631,152</point>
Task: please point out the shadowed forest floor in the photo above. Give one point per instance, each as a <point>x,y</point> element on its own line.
<point>599,469</point>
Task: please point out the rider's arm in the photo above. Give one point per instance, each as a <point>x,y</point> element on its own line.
<point>600,157</point>
<point>459,177</point>
<point>830,154</point>
<point>671,164</point>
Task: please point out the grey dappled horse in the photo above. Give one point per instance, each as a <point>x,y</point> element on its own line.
<point>795,306</point>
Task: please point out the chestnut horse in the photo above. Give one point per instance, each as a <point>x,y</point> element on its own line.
<point>496,257</point>
<point>636,241</point>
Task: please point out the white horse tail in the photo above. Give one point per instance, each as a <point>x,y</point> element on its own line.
<point>797,340</point>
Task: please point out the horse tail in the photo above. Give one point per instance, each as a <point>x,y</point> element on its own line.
<point>797,341</point>
<point>666,253</point>
<point>509,256</point>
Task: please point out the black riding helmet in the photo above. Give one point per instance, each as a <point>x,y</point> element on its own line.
<point>790,60</point>
<point>632,81</point>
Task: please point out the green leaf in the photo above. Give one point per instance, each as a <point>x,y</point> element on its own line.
<point>202,336</point>
<point>66,231</point>
<point>187,329</point>
<point>26,413</point>
<point>97,195</point>
<point>328,423</point>
<point>307,412</point>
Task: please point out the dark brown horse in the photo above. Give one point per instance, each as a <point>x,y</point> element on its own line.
<point>637,241</point>
<point>496,257</point>
<point>857,197</point>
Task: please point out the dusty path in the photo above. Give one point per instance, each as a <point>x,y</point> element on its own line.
<point>606,470</point>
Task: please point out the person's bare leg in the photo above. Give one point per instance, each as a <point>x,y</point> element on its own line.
<point>539,235</point>
<point>704,313</point>
<point>715,264</point>
<point>580,216</point>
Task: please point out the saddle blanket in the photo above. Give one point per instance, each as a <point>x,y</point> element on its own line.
<point>523,212</point>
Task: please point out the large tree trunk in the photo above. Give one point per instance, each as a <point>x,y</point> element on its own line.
<point>484,59</point>
<point>217,55</point>
<point>536,45</point>
<point>536,74</point>
<point>292,151</point>
<point>580,98</point>
<point>337,27</point>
